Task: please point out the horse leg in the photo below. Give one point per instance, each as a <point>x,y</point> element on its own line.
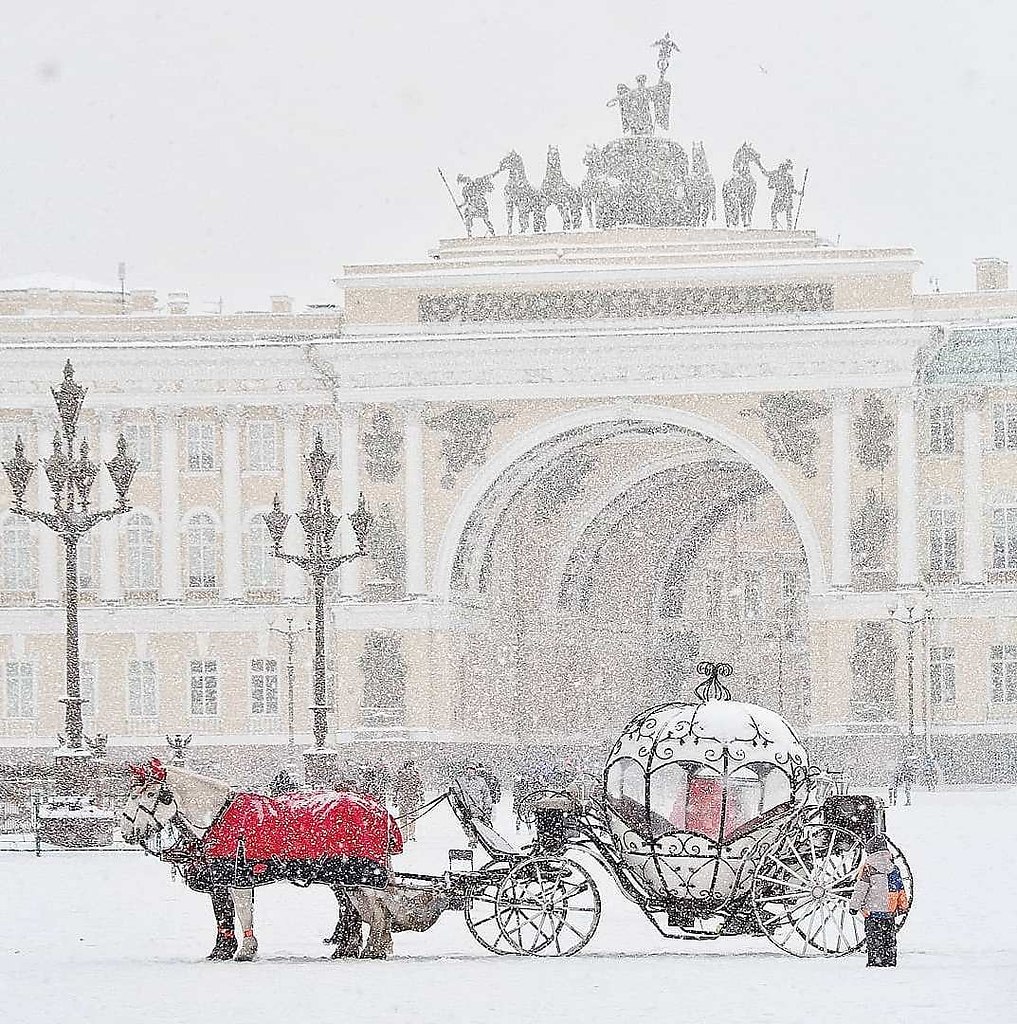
<point>225,938</point>
<point>371,907</point>
<point>244,899</point>
<point>508,216</point>
<point>347,930</point>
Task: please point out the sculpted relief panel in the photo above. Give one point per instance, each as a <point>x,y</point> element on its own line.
<point>787,422</point>
<point>623,303</point>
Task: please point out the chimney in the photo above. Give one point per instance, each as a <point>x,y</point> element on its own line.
<point>991,274</point>
<point>282,303</point>
<point>177,303</point>
<point>142,300</point>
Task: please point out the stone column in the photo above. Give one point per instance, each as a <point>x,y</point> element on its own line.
<point>840,491</point>
<point>170,583</point>
<point>416,582</point>
<point>232,509</point>
<point>293,461</point>
<point>973,547</point>
<point>109,531</point>
<point>50,564</point>
<point>349,467</point>
<point>907,490</point>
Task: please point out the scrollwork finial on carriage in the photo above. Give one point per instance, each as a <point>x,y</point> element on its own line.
<point>711,688</point>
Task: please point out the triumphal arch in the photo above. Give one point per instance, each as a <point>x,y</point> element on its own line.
<point>594,457</point>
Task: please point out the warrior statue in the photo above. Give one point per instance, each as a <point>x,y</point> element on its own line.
<point>636,107</point>
<point>662,91</point>
<point>784,192</point>
<point>739,191</point>
<point>474,204</point>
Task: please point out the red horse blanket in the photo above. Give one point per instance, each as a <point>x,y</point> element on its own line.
<point>340,837</point>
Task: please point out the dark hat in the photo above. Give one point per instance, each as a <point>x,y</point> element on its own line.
<point>876,844</point>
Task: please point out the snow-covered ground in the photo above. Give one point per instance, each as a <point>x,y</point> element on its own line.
<point>110,937</point>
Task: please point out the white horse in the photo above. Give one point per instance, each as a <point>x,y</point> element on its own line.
<point>170,810</point>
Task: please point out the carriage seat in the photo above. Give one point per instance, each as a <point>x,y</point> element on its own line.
<point>494,843</point>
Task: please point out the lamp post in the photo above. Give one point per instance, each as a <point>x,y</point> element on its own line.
<point>70,478</point>
<point>782,631</point>
<point>319,524</point>
<point>911,613</point>
<point>291,635</point>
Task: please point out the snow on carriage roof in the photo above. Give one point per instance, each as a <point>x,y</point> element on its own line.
<point>708,732</point>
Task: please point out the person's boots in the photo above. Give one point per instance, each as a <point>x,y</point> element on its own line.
<point>225,945</point>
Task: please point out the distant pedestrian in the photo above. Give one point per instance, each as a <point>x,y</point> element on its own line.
<point>879,896</point>
<point>409,795</point>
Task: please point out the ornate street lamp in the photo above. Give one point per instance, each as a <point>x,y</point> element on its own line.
<point>911,611</point>
<point>71,476</point>
<point>319,524</point>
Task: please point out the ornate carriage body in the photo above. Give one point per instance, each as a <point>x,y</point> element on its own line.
<point>691,790</point>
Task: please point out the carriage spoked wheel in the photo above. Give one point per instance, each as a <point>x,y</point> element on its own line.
<point>801,887</point>
<point>548,906</point>
<point>906,877</point>
<point>480,911</point>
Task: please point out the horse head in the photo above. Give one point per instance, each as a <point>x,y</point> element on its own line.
<point>150,805</point>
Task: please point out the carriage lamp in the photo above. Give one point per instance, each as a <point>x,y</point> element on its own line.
<point>319,524</point>
<point>19,471</point>
<point>71,474</point>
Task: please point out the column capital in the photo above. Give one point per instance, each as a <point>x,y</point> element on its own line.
<point>166,415</point>
<point>346,409</point>
<point>842,400</point>
<point>45,418</point>
<point>906,395</point>
<point>231,416</point>
<point>413,409</point>
<point>972,398</point>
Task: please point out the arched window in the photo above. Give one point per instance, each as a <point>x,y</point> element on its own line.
<point>140,541</point>
<point>201,552</point>
<point>262,567</point>
<point>16,554</point>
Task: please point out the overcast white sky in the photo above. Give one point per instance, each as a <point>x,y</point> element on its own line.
<point>242,149</point>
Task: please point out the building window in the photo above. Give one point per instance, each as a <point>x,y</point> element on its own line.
<point>16,541</point>
<point>1005,426</point>
<point>200,447</point>
<point>262,566</point>
<point>264,686</point>
<point>205,687</point>
<point>1003,664</point>
<point>941,430</point>
<point>140,536</point>
<point>142,692</point>
<point>139,444</point>
<point>942,676</point>
<point>20,689</point>
<point>201,545</point>
<point>942,539</point>
<point>752,597</point>
<point>87,684</point>
<point>1004,537</point>
<point>262,446</point>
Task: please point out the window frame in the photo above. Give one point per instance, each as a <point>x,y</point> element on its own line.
<point>202,580</point>
<point>256,450</point>
<point>943,538</point>
<point>1004,518</point>
<point>204,674</point>
<point>144,454</point>
<point>1004,656</point>
<point>942,429</point>
<point>259,674</point>
<point>200,446</point>
<point>14,690</point>
<point>146,672</point>
<point>1004,426</point>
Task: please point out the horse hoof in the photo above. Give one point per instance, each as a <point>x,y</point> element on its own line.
<point>373,954</point>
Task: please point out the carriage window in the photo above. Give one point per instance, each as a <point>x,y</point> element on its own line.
<point>668,789</point>
<point>751,794</point>
<point>626,793</point>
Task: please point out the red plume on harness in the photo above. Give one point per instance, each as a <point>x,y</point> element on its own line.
<point>156,770</point>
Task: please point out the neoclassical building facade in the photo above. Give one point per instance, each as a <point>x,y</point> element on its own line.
<point>593,459</point>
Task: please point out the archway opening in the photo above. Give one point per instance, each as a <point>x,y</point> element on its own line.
<point>602,563</point>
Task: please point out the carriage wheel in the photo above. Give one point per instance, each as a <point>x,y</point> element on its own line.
<point>801,887</point>
<point>905,873</point>
<point>547,906</point>
<point>480,911</point>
